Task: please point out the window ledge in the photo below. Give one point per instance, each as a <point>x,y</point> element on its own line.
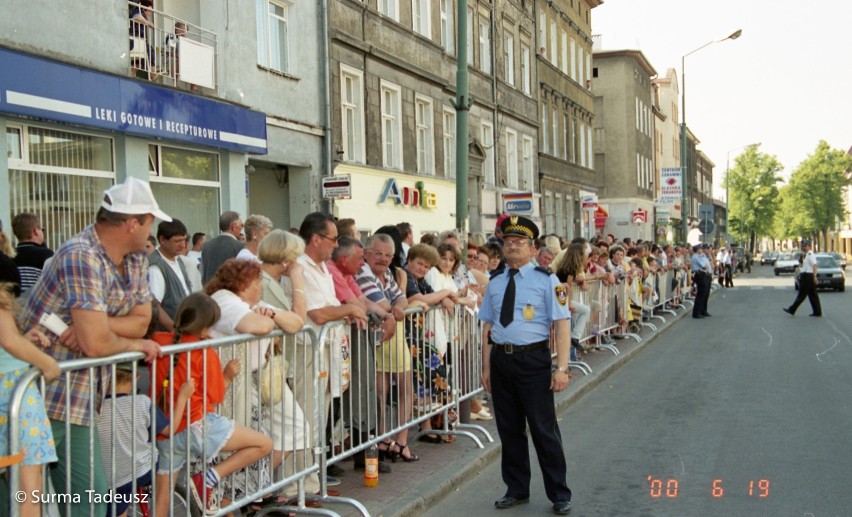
<point>279,73</point>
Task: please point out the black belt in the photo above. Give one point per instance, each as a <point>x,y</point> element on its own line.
<point>514,349</point>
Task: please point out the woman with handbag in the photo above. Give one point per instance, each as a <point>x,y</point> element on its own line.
<point>237,289</point>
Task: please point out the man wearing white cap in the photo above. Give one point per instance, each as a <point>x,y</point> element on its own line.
<point>97,285</point>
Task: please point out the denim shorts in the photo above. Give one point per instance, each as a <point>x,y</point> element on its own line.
<point>205,437</point>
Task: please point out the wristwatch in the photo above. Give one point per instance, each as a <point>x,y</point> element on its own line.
<point>562,369</point>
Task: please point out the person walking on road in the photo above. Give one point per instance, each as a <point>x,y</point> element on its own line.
<point>807,283</point>
<point>520,304</point>
<point>702,275</point>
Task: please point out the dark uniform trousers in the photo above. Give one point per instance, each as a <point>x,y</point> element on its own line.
<point>702,281</point>
<point>520,389</point>
<point>807,288</point>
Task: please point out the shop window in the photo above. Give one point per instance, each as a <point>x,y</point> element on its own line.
<point>186,184</point>
<point>58,175</point>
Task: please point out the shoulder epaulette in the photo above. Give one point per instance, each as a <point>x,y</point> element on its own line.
<point>543,270</point>
<point>497,272</point>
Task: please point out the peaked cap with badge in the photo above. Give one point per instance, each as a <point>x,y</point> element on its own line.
<point>519,226</point>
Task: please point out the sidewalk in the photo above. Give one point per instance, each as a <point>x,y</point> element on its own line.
<point>412,488</point>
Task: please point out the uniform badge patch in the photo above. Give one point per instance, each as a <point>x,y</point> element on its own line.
<point>561,294</point>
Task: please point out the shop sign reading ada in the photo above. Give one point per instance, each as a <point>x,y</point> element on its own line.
<point>417,196</point>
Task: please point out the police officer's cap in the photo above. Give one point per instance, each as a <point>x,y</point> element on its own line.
<point>805,242</point>
<point>705,246</point>
<point>520,226</point>
<point>696,247</point>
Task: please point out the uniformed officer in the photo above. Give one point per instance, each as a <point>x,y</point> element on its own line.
<point>807,283</point>
<point>520,305</point>
<point>702,275</point>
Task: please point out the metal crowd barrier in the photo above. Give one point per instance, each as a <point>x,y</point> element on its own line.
<point>275,392</point>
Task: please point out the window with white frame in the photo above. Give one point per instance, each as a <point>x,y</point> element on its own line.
<point>391,105</point>
<point>527,159</point>
<point>554,133</point>
<point>421,16</point>
<point>447,32</point>
<point>526,72</point>
<point>352,114</point>
<point>424,131</point>
<point>542,34</point>
<point>566,140</point>
<point>638,170</point>
<point>580,68</point>
<point>511,158</point>
<point>545,138</point>
<point>573,47</point>
<point>484,44</point>
<point>470,44</point>
<point>449,143</point>
<point>588,66</point>
<point>564,49</point>
<point>487,138</point>
<point>273,34</point>
<point>583,144</point>
<point>589,147</point>
<point>553,55</point>
<point>389,8</point>
<point>508,56</point>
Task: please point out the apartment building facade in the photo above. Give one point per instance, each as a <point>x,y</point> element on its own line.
<point>667,216</point>
<point>625,121</point>
<point>566,113</point>
<point>393,76</point>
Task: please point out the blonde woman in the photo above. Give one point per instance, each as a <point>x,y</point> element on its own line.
<point>571,271</point>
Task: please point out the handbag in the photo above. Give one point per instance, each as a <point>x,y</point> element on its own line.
<point>272,379</point>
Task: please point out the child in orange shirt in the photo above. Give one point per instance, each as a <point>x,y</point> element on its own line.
<point>206,432</point>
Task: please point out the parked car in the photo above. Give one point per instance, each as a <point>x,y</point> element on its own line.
<point>840,258</point>
<point>786,263</point>
<point>829,273</point>
<point>768,257</point>
<point>741,259</point>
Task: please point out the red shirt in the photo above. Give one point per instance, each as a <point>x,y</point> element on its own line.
<point>345,286</point>
<point>198,405</point>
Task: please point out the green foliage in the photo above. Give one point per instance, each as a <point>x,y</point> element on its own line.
<point>812,202</point>
<point>754,196</point>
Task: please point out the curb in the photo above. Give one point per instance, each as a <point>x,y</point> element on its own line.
<point>421,501</point>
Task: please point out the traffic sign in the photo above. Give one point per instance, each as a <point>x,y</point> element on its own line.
<point>337,187</point>
<point>640,216</point>
<point>707,227</point>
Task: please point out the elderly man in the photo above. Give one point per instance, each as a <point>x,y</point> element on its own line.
<point>226,245</point>
<point>360,399</point>
<point>520,305</point>
<point>97,284</point>
<point>393,361</point>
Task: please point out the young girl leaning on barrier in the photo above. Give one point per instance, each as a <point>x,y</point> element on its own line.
<point>17,353</point>
<point>206,431</point>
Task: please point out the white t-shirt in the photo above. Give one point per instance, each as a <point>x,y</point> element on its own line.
<point>196,256</point>
<point>193,273</point>
<point>157,282</point>
<point>234,309</point>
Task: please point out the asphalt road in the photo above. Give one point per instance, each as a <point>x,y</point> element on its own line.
<point>745,413</point>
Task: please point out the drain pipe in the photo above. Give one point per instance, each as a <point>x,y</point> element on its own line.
<point>325,96</point>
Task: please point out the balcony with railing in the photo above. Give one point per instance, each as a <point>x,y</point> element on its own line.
<point>168,50</point>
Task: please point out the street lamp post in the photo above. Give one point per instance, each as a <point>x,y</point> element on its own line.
<point>684,163</point>
<point>727,171</point>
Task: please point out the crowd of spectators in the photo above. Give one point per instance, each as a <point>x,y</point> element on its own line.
<point>118,281</point>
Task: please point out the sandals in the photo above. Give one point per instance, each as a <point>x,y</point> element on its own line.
<point>387,452</point>
<point>400,453</point>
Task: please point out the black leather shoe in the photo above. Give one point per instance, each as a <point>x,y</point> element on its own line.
<point>707,315</point>
<point>816,315</point>
<point>788,311</point>
<point>509,501</point>
<point>562,507</point>
<point>334,471</point>
<point>698,317</point>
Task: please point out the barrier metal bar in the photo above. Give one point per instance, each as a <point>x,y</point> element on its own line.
<point>622,308</point>
<point>466,345</point>
<point>258,415</point>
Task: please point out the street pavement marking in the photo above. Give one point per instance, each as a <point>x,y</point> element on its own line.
<point>768,334</point>
<point>836,342</point>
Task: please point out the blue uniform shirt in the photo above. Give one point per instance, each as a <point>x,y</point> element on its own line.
<point>701,263</point>
<point>532,287</point>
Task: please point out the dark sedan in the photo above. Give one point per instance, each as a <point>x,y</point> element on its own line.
<point>768,257</point>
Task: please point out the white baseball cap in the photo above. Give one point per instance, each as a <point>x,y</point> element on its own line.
<point>133,197</point>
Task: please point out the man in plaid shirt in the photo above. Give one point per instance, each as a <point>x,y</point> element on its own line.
<point>97,283</point>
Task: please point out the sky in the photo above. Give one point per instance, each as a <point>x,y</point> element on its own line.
<point>785,83</point>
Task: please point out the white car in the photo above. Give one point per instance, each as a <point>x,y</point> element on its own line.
<point>786,263</point>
